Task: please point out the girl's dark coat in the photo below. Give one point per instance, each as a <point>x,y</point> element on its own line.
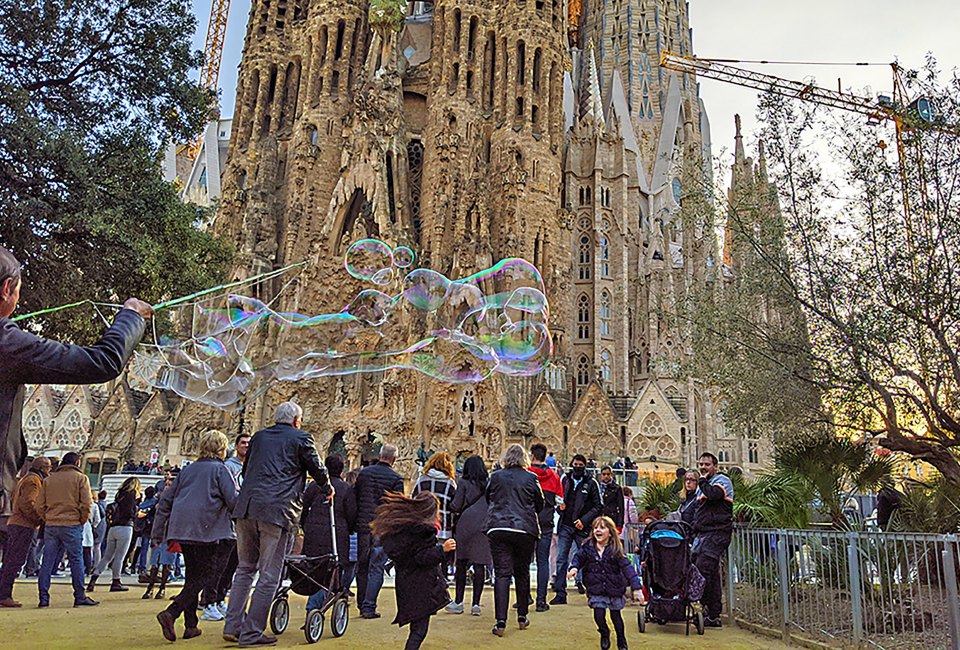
<point>607,575</point>
<point>420,585</point>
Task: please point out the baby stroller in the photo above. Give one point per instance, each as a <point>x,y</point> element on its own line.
<point>307,575</point>
<point>673,583</point>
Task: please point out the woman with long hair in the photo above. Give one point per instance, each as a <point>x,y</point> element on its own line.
<point>407,528</point>
<point>514,500</point>
<point>439,478</point>
<point>119,532</point>
<point>469,509</point>
<point>194,512</point>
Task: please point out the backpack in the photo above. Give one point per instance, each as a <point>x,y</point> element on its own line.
<point>109,514</point>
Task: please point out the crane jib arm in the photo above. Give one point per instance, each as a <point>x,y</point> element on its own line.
<point>723,71</point>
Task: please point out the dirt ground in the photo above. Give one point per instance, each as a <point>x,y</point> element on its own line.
<point>125,621</point>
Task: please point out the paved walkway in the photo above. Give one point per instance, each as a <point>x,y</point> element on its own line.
<point>124,621</point>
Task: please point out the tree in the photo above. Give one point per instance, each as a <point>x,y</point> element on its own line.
<point>90,90</point>
<point>872,262</point>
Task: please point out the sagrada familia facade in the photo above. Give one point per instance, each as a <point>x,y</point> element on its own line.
<point>471,132</point>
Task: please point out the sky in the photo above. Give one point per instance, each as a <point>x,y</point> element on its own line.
<point>879,31</point>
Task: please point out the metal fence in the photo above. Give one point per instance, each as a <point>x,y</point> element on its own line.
<point>884,590</point>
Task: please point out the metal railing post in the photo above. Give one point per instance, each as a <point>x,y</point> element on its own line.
<point>731,595</point>
<point>950,577</point>
<point>784,580</point>
<point>856,595</point>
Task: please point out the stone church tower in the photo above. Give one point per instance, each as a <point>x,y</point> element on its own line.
<point>474,131</point>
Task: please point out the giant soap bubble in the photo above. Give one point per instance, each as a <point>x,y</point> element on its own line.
<point>457,331</point>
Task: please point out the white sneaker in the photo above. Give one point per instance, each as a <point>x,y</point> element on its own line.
<point>211,613</point>
<point>455,608</point>
<point>475,610</point>
<point>222,608</point>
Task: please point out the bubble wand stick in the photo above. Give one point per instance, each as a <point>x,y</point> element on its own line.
<point>169,303</point>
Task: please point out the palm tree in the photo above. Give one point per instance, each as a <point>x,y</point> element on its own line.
<point>830,466</point>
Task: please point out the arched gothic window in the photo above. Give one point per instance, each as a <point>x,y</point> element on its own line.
<point>604,256</point>
<point>583,374</point>
<point>73,420</point>
<point>583,317</point>
<point>585,257</point>
<point>606,369</point>
<point>605,313</point>
<point>35,420</point>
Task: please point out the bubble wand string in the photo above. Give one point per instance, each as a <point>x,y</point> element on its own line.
<point>168,303</point>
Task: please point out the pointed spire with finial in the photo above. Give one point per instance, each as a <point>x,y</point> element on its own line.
<point>594,99</point>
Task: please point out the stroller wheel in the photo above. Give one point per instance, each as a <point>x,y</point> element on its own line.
<point>641,620</point>
<point>340,617</point>
<point>699,621</point>
<point>279,615</point>
<point>313,629</point>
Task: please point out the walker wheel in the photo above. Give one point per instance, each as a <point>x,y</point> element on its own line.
<point>313,629</point>
<point>340,617</point>
<point>279,615</point>
<point>641,621</point>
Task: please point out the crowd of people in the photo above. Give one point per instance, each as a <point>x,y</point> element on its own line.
<point>233,520</point>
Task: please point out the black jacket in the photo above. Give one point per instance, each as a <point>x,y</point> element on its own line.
<point>514,500</point>
<point>29,359</point>
<point>714,505</point>
<point>607,575</point>
<point>274,473</point>
<point>469,510</point>
<point>315,520</point>
<point>612,497</point>
<point>124,509</point>
<point>372,482</point>
<point>584,503</point>
<point>417,556</point>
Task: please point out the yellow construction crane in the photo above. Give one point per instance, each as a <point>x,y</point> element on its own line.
<point>212,55</point>
<point>909,117</point>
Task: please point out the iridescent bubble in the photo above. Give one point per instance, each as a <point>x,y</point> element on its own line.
<point>366,258</point>
<point>233,347</point>
<point>403,257</point>
<point>425,289</point>
<point>371,307</point>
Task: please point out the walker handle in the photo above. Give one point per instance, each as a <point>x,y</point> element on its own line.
<point>333,532</point>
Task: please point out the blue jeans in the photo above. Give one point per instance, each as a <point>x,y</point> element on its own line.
<point>568,541</point>
<point>543,565</point>
<point>378,560</point>
<point>346,577</point>
<point>56,541</point>
<point>144,554</point>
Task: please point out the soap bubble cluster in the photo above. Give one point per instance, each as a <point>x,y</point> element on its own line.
<point>457,331</point>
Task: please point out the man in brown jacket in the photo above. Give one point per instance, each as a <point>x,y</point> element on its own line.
<point>22,527</point>
<point>65,502</point>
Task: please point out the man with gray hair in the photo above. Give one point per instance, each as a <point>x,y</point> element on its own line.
<point>372,482</point>
<point>267,515</point>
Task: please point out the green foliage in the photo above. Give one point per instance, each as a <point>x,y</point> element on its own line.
<point>777,500</point>
<point>90,90</point>
<point>932,507</point>
<point>660,497</point>
<point>830,466</point>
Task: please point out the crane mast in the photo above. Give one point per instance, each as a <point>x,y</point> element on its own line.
<point>212,56</point>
